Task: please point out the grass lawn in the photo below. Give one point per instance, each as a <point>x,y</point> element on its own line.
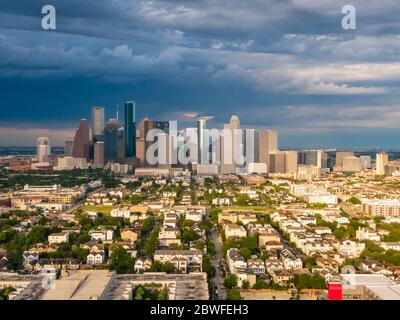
<point>101,209</point>
<point>249,208</point>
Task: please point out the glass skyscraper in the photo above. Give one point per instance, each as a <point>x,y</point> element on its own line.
<point>130,129</point>
<point>111,141</point>
<point>81,141</point>
<point>98,123</point>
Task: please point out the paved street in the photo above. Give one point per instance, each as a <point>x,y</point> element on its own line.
<point>218,280</point>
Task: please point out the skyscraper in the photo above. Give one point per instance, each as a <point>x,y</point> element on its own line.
<point>268,140</point>
<point>142,145</point>
<point>111,140</point>
<point>43,149</point>
<point>82,141</point>
<point>310,157</point>
<point>69,144</point>
<point>277,162</point>
<point>228,146</point>
<point>382,159</point>
<point>202,145</point>
<point>291,162</point>
<point>121,145</point>
<point>98,123</point>
<point>340,155</point>
<point>99,154</point>
<point>130,129</point>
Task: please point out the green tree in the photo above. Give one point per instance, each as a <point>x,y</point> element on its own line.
<point>121,261</point>
<point>189,236</point>
<point>245,284</point>
<point>260,284</point>
<point>231,281</point>
<point>246,253</point>
<point>355,200</point>
<point>158,266</point>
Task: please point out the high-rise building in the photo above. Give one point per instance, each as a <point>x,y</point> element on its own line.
<point>111,140</point>
<point>268,141</point>
<point>340,155</point>
<point>190,139</point>
<point>43,149</point>
<point>121,145</point>
<point>98,123</point>
<point>130,129</point>
<point>202,145</point>
<point>382,159</point>
<point>352,164</point>
<point>81,147</point>
<point>277,162</point>
<point>142,144</point>
<point>68,146</point>
<point>228,152</point>
<point>291,162</point>
<point>99,154</point>
<point>310,157</point>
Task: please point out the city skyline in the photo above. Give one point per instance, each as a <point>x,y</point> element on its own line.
<point>290,67</point>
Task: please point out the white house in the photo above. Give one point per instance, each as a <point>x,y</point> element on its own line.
<point>95,257</point>
<point>194,215</point>
<point>256,266</point>
<point>391,246</point>
<point>57,238</point>
<point>184,260</point>
<point>120,213</point>
<point>367,234</point>
<point>235,260</point>
<point>233,230</point>
<point>290,261</point>
<point>101,234</point>
<point>142,265</point>
<point>313,247</point>
<point>351,249</point>
<point>222,201</point>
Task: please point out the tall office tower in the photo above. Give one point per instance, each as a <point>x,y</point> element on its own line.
<point>98,123</point>
<point>382,159</point>
<point>43,149</point>
<point>268,143</point>
<point>324,160</point>
<point>99,154</point>
<point>202,145</point>
<point>141,144</point>
<point>340,155</point>
<point>121,145</point>
<point>277,162</point>
<point>191,142</point>
<point>69,144</point>
<point>111,140</point>
<point>291,162</point>
<point>351,164</point>
<point>130,129</point>
<point>228,152</point>
<point>251,145</point>
<point>81,147</point>
<point>310,157</point>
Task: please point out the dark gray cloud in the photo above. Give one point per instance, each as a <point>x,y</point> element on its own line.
<point>278,63</point>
